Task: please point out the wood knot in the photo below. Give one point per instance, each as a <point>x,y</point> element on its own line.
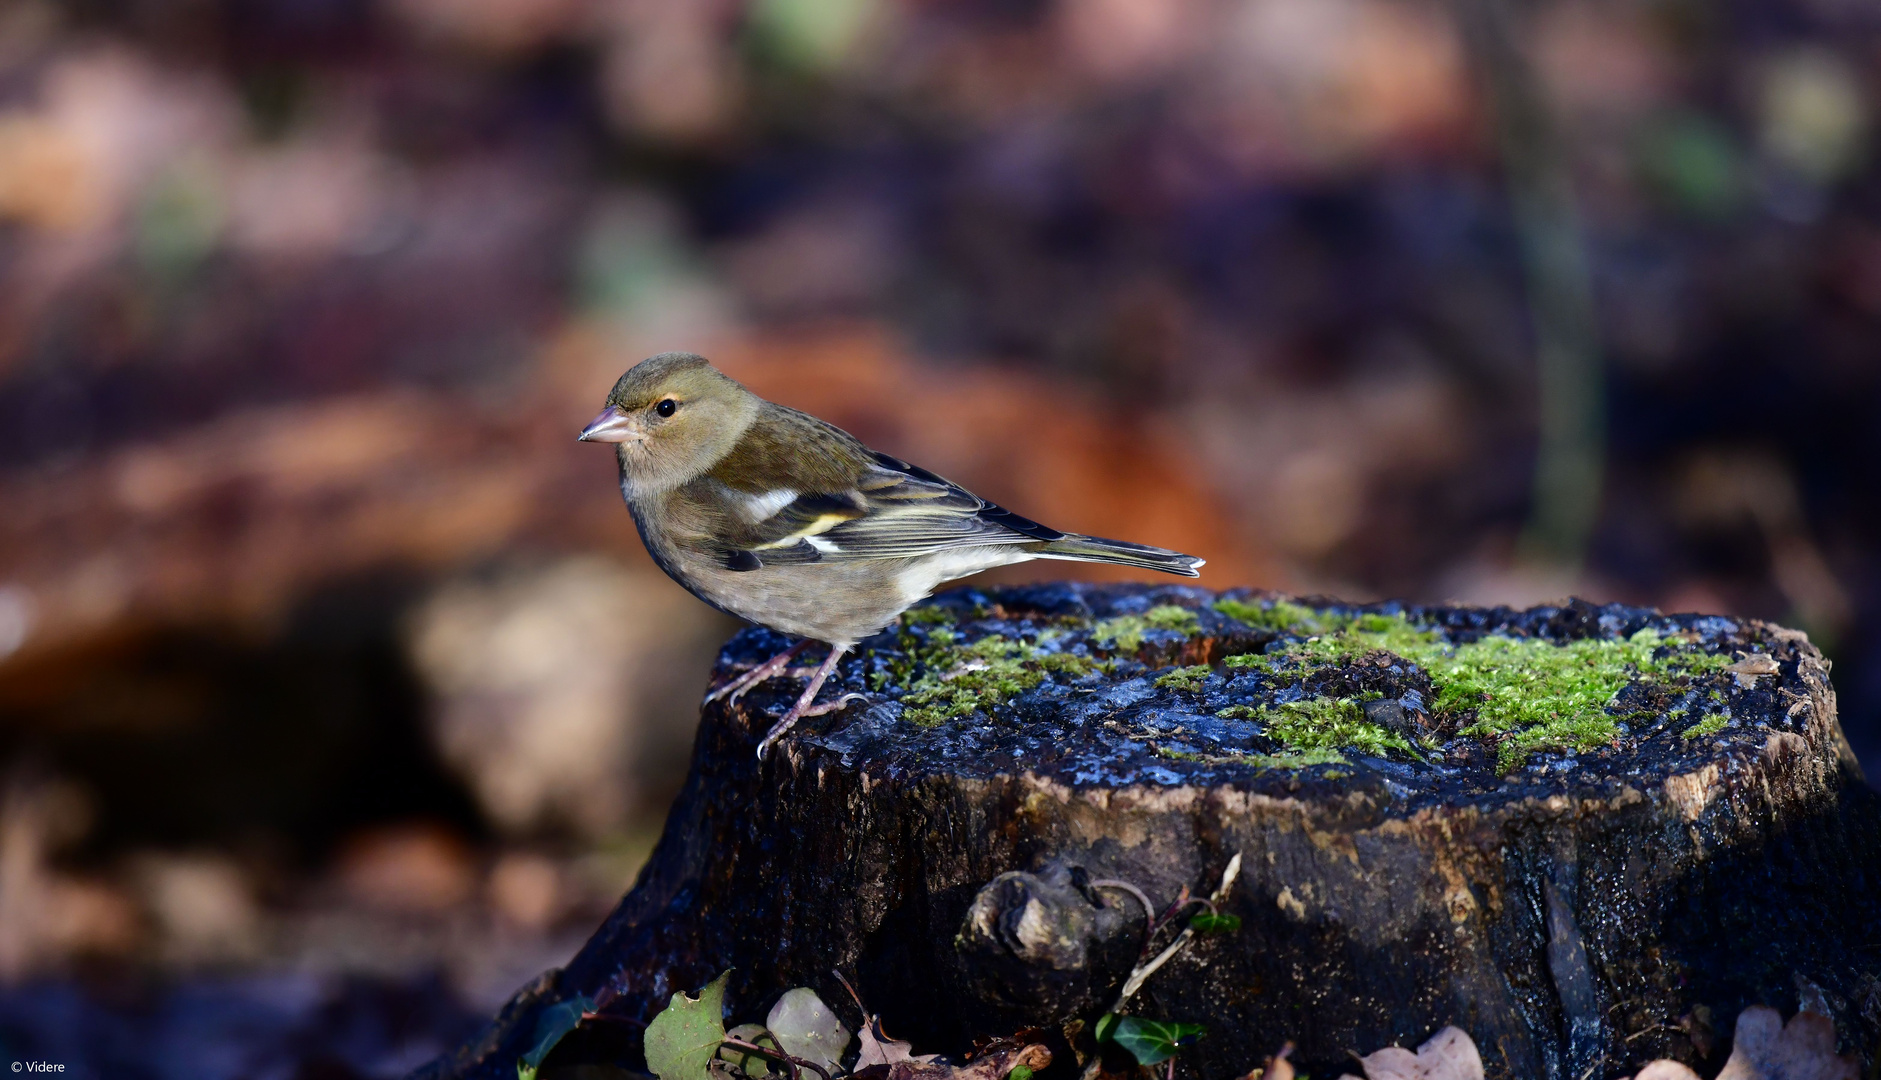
<point>1044,946</point>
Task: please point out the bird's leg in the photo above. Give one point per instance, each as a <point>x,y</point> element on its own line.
<point>803,706</point>
<point>775,665</point>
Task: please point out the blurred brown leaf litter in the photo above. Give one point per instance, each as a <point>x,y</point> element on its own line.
<point>312,647</point>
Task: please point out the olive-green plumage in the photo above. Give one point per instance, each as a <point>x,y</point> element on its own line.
<point>792,523</point>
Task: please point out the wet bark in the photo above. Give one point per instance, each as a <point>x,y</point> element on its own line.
<point>1576,921</point>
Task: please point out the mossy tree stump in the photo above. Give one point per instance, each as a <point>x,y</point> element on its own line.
<point>1575,832</point>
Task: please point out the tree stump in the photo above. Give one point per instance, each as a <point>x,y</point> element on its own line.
<point>1586,835</point>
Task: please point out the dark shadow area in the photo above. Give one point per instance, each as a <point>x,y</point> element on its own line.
<point>275,744</point>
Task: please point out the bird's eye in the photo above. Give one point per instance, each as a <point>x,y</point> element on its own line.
<point>667,407</point>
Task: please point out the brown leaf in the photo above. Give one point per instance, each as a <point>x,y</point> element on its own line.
<point>1698,1028</point>
<point>1276,1067</point>
<point>1765,1048</point>
<point>879,1049</point>
<point>1449,1055</point>
<point>1751,666</point>
<point>991,1066</point>
<point>1665,1069</point>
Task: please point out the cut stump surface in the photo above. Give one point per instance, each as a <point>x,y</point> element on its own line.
<point>1575,832</point>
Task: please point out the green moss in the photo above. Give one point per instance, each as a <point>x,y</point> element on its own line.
<point>1353,638</point>
<point>1185,678</point>
<point>1282,616</point>
<point>1300,760</point>
<point>1537,695</point>
<point>1322,724</point>
<point>961,680</point>
<point>1297,760</point>
<point>1710,725</point>
<point>1527,694</point>
<point>926,615</point>
<point>917,650</point>
<point>1125,632</point>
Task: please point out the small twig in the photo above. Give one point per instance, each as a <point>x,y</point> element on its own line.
<point>1149,909</point>
<point>1185,905</point>
<point>869,1019</point>
<point>1143,971</point>
<point>853,996</point>
<point>776,1055</point>
<point>1181,901</point>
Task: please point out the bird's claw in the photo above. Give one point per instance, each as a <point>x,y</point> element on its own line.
<point>838,705</point>
<point>743,684</point>
<point>789,720</point>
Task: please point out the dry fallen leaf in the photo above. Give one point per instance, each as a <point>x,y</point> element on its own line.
<point>1449,1055</point>
<point>1697,1026</point>
<point>806,1028</point>
<point>1276,1067</point>
<point>1666,1070</point>
<point>1751,666</point>
<point>993,1065</point>
<point>879,1049</point>
<point>876,1048</point>
<point>1765,1048</point>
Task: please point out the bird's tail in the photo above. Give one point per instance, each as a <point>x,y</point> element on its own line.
<point>1077,548</point>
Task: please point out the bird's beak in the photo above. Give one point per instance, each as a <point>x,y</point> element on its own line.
<point>612,425</point>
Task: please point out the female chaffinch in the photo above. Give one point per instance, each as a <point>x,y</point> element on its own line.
<point>779,518</point>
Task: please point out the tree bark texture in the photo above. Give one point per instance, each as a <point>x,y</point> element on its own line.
<point>1579,910</point>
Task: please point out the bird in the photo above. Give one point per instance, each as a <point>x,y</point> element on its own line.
<point>794,524</point>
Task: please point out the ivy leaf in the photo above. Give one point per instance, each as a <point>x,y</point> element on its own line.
<point>1153,1042</point>
<point>1106,1026</point>
<point>683,1038</point>
<point>806,1028</point>
<point>555,1021</point>
<point>1209,922</point>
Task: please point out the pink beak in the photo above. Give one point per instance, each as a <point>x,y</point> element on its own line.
<point>612,426</point>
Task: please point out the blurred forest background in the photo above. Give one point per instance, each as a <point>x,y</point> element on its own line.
<point>337,696</point>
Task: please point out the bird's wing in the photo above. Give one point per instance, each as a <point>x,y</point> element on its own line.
<point>895,510</point>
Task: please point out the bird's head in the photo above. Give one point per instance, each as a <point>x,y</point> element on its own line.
<point>671,417</point>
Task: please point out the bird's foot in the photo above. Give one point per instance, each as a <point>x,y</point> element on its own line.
<point>771,668</point>
<point>777,731</point>
<point>806,702</point>
<point>798,712</point>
